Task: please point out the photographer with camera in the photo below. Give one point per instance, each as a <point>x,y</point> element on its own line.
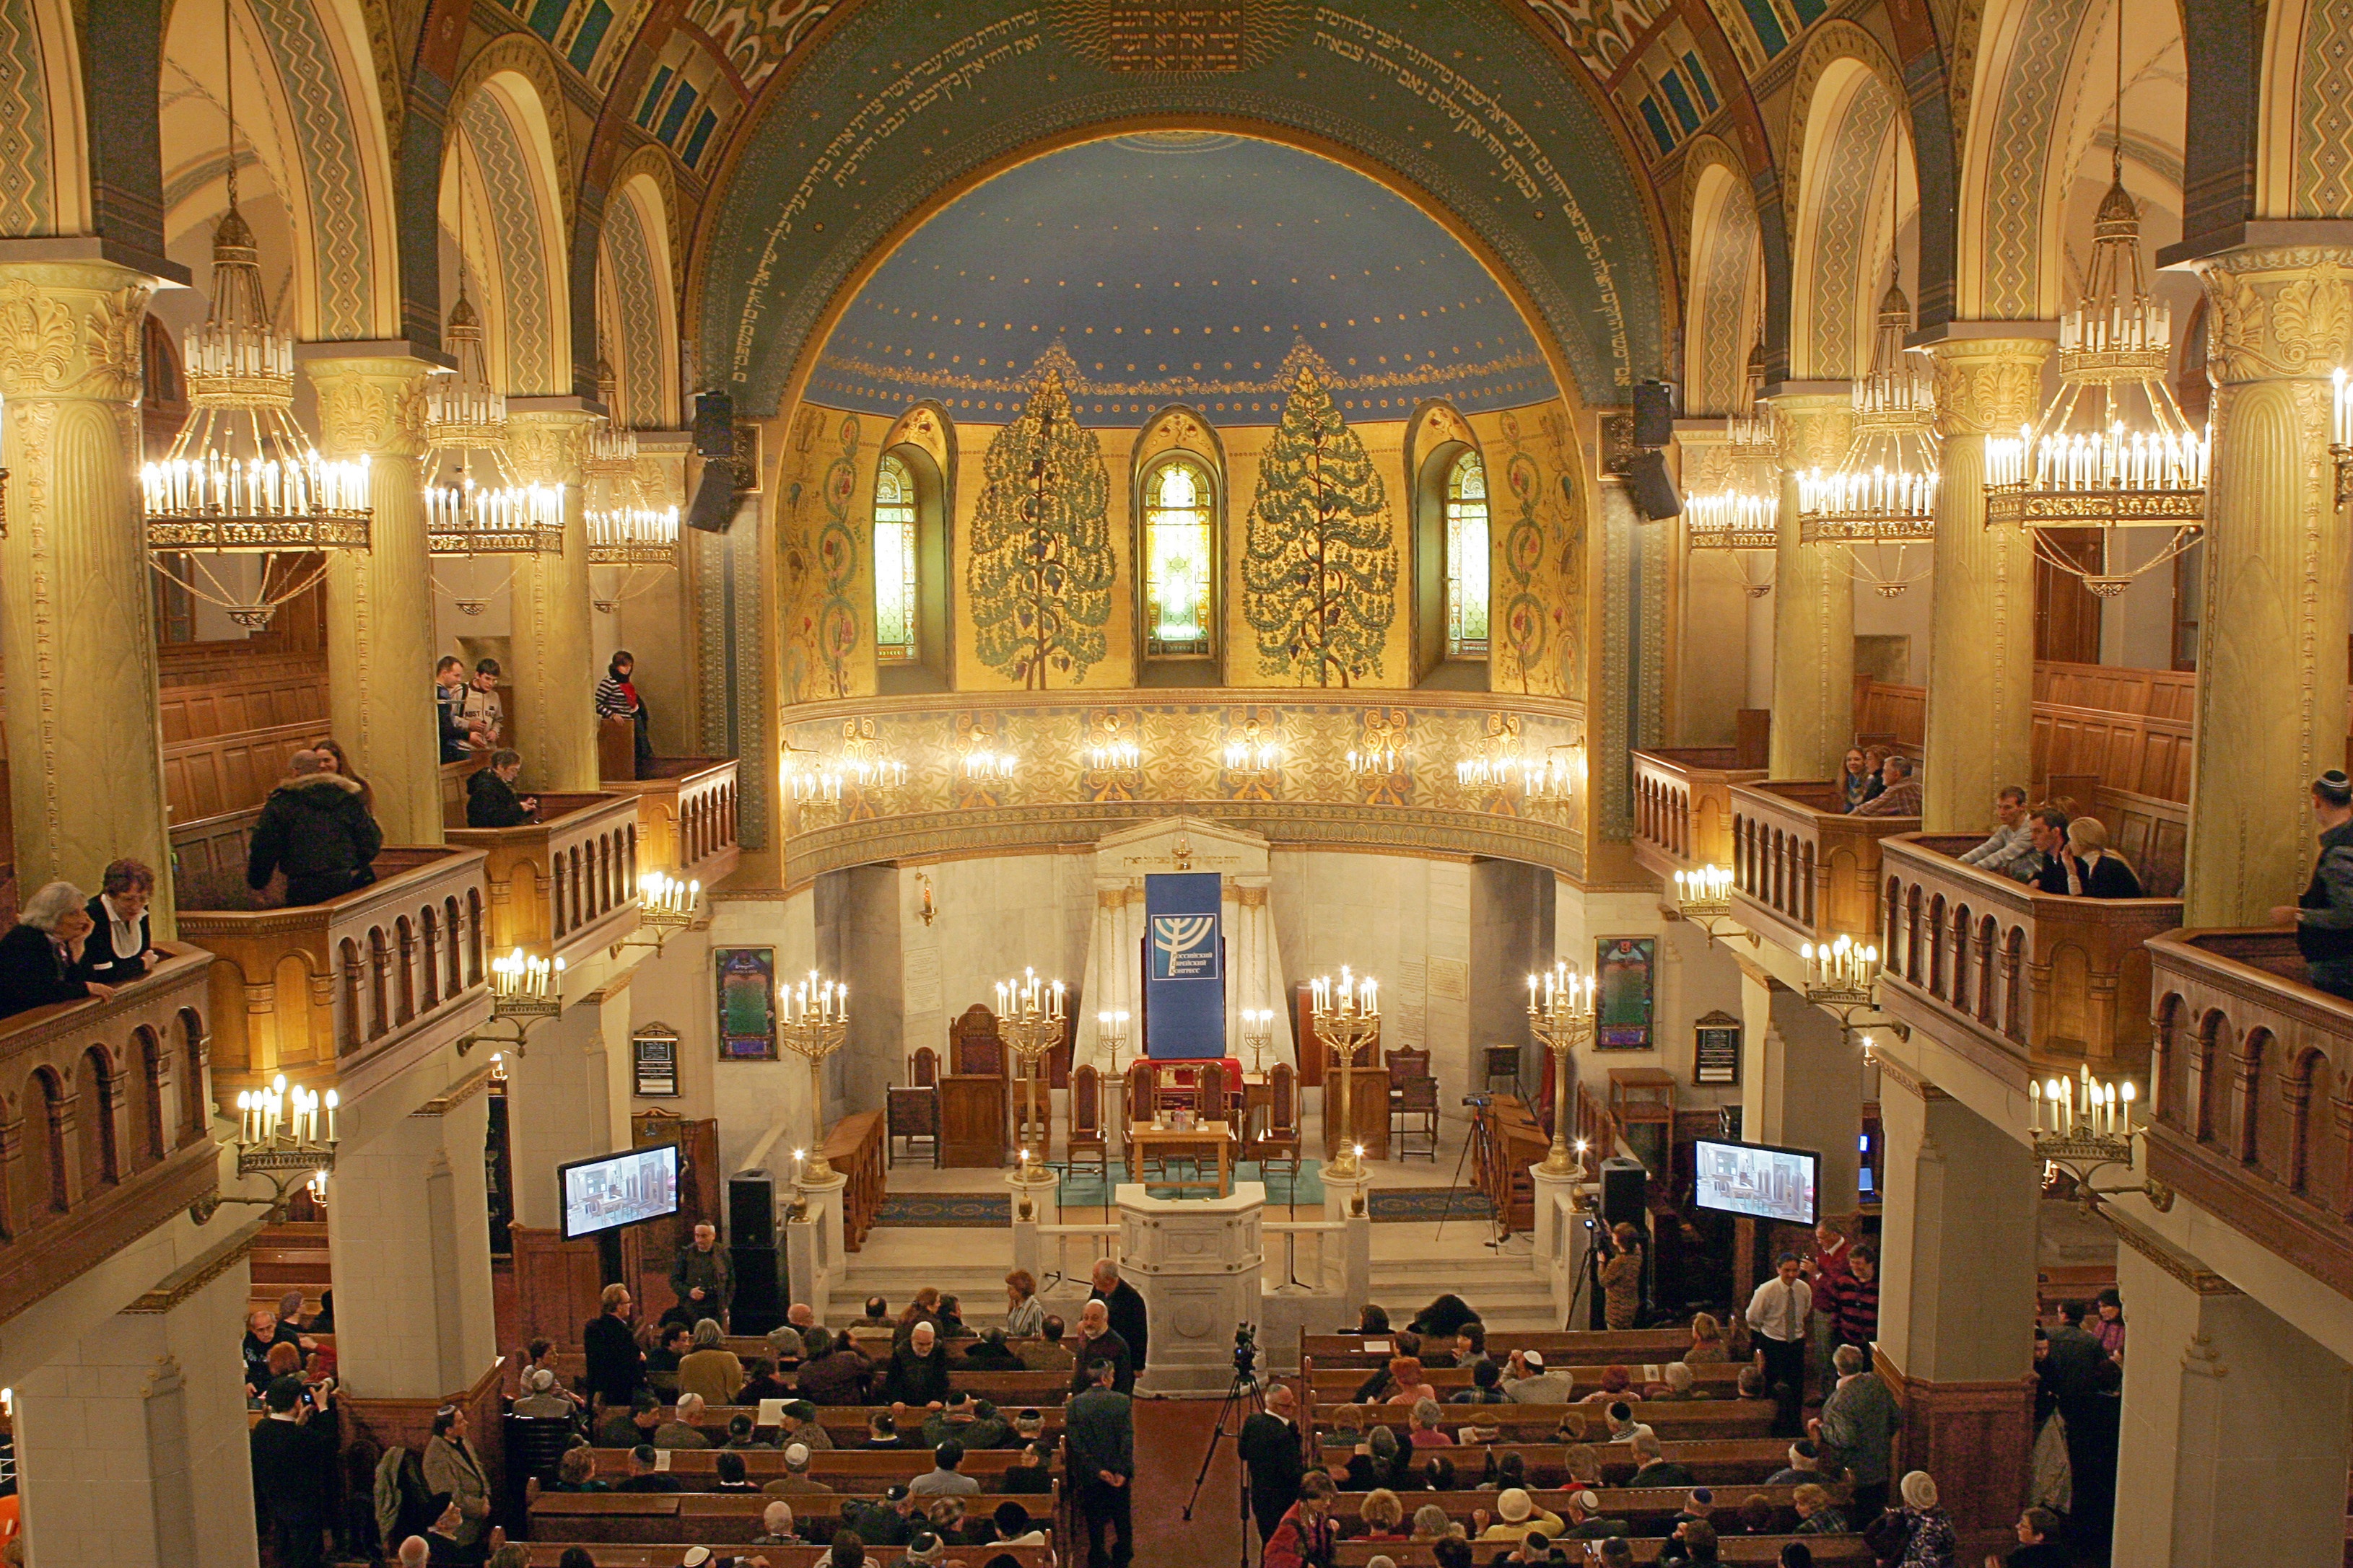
<point>1271,1449</point>
<point>1621,1275</point>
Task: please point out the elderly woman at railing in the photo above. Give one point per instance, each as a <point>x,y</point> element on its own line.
<point>38,955</point>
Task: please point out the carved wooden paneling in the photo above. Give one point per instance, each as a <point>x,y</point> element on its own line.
<point>380,1424</point>
<point>567,884</point>
<point>556,1284</point>
<point>1682,807</point>
<point>1975,1438</point>
<point>1803,867</point>
<point>686,816</point>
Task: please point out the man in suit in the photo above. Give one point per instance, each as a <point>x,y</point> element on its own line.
<point>1270,1447</point>
<point>1099,1430</point>
<point>291,1456</point>
<point>1125,1305</point>
<point>1098,1340</point>
<point>616,1365</point>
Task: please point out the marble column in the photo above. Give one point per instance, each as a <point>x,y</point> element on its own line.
<point>1981,637</point>
<point>2238,1423</point>
<point>1804,1089</point>
<point>2271,635</point>
<point>568,1098</point>
<point>1813,602</point>
<point>78,636</point>
<point>380,648</point>
<point>555,668</point>
<point>1957,1301</point>
<point>131,1440</point>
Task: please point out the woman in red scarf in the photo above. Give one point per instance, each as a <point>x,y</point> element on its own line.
<point>1305,1538</point>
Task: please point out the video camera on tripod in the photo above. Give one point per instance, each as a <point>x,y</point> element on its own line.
<point>1246,1351</point>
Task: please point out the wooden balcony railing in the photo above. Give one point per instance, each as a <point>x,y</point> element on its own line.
<point>2251,1123</point>
<point>111,1128</point>
<point>564,885</point>
<point>359,983</point>
<point>686,816</point>
<point>1682,807</point>
<point>1978,959</point>
<point>1801,869</point>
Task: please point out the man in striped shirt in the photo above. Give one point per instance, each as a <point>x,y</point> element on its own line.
<point>1849,1300</point>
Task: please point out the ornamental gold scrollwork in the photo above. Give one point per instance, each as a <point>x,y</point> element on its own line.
<point>380,413</point>
<point>1812,433</point>
<point>45,350</point>
<point>1988,385</point>
<point>2279,311</point>
<point>547,448</point>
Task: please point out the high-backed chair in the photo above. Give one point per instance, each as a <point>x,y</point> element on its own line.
<point>911,1111</point>
<point>926,1070</point>
<point>1139,1108</point>
<point>1413,1098</point>
<point>1277,1144</point>
<point>1087,1146</point>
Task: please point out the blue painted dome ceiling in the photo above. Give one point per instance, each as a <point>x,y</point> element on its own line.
<point>1180,267</point>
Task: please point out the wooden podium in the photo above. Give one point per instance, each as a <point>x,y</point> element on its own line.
<point>971,1121</point>
<point>1368,1108</point>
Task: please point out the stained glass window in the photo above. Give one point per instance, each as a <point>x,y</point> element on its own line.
<point>1178,570</point>
<point>894,563</point>
<point>1466,558</point>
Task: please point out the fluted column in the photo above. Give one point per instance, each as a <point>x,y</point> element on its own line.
<point>380,647</point>
<point>1981,634</point>
<point>1813,602</point>
<point>2270,637</point>
<point>555,648</point>
<point>78,636</point>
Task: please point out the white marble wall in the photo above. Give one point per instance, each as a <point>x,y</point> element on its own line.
<point>1403,920</point>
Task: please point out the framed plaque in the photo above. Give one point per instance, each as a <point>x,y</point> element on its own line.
<point>1625,970</point>
<point>653,1059</point>
<point>747,1003</point>
<point>1717,1058</point>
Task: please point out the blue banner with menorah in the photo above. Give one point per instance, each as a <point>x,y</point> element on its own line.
<point>1184,966</point>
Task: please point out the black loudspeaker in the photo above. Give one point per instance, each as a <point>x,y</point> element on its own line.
<point>1623,1181</point>
<point>759,1303</point>
<point>714,425</point>
<point>714,507</point>
<point>1654,493</point>
<point>1654,414</point>
<point>751,1209</point>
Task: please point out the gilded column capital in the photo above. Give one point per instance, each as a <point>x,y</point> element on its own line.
<point>373,407</point>
<point>2279,311</point>
<point>1813,430</point>
<point>1987,384</point>
<point>546,446</point>
<point>70,328</point>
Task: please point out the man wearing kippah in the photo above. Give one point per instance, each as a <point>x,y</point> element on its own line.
<point>2323,918</point>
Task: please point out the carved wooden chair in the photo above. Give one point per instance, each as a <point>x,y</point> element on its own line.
<point>925,1071</point>
<point>911,1112</point>
<point>1413,1098</point>
<point>1140,1104</point>
<point>1087,1146</point>
<point>1276,1146</point>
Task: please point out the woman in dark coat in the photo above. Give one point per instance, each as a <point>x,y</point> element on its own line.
<point>115,956</point>
<point>38,955</point>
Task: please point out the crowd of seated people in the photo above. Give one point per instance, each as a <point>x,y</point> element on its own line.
<point>2056,850</point>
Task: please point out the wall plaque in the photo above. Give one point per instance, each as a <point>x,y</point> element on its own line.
<point>653,1057</point>
<point>1718,1058</point>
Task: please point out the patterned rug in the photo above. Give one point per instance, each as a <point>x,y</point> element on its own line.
<point>990,1210</point>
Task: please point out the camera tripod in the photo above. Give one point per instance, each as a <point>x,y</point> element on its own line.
<point>1244,1398</point>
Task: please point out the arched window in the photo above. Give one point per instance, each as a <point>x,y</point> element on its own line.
<point>1466,558</point>
<point>897,589</point>
<point>1180,562</point>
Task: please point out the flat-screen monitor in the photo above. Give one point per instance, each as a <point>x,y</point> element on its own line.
<point>1757,1179</point>
<point>616,1190</point>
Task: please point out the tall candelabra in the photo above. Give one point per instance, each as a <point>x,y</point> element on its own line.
<point>1560,1017</point>
<point>813,1024</point>
<point>1257,1033</point>
<point>1029,1022</point>
<point>1346,1017</point>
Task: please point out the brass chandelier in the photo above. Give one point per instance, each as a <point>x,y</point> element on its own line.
<point>241,479</point>
<point>1878,510</point>
<point>1741,510</point>
<point>630,539</point>
<point>2111,449</point>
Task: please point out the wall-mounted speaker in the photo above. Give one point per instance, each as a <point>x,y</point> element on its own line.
<point>1654,413</point>
<point>714,425</point>
<point>1653,492</point>
<point>713,506</point>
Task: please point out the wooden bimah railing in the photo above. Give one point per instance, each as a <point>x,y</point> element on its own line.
<point>1802,869</point>
<point>1981,960</point>
<point>853,1146</point>
<point>2251,1121</point>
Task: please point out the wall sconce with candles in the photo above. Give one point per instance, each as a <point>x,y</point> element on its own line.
<point>286,1133</point>
<point>1842,977</point>
<point>926,906</point>
<point>524,990</point>
<point>987,764</point>
<point>1382,754</point>
<point>1112,751</point>
<point>1250,755</point>
<point>1704,897</point>
<point>2081,1125</point>
<point>666,906</point>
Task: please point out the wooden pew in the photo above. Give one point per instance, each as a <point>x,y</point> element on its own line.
<point>1714,1461</point>
<point>710,1519</point>
<point>1596,1347</point>
<point>1669,1418</point>
<point>846,1424</point>
<point>1334,1385</point>
<point>1828,1551</point>
<point>1647,1510</point>
<point>622,1554</point>
<point>833,1467</point>
<point>1006,1390</point>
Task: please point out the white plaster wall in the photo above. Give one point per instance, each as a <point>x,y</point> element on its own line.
<point>2137,626</point>
<point>1403,920</point>
<point>994,916</point>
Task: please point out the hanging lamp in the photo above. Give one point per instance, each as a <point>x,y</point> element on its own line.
<point>241,479</point>
<point>473,504</point>
<point>2112,450</point>
<point>626,530</point>
<point>1741,510</point>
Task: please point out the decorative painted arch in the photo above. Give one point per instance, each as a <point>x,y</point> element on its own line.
<point>1853,143</point>
<point>44,152</point>
<point>1727,292</point>
<point>2304,145</point>
<point>514,217</point>
<point>637,307</point>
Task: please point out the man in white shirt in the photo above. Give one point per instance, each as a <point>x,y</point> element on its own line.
<point>1776,1315</point>
<point>1528,1382</point>
<point>2009,850</point>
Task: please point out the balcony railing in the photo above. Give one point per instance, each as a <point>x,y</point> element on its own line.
<point>686,816</point>
<point>1802,870</point>
<point>564,885</point>
<point>358,984</point>
<point>1682,807</point>
<point>2250,1121</point>
<point>114,1129</point>
<point>1978,958</point>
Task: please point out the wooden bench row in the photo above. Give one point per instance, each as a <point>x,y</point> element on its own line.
<point>633,1555</point>
<point>1828,1551</point>
<point>847,1423</point>
<point>712,1519</point>
<point>1642,1508</point>
<point>1596,1346</point>
<point>1712,1461</point>
<point>1532,1423</point>
<point>997,1385</point>
<point>825,1465</point>
<point>1333,1385</point>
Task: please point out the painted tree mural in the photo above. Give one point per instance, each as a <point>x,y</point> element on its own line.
<point>1320,560</point>
<point>1041,570</point>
